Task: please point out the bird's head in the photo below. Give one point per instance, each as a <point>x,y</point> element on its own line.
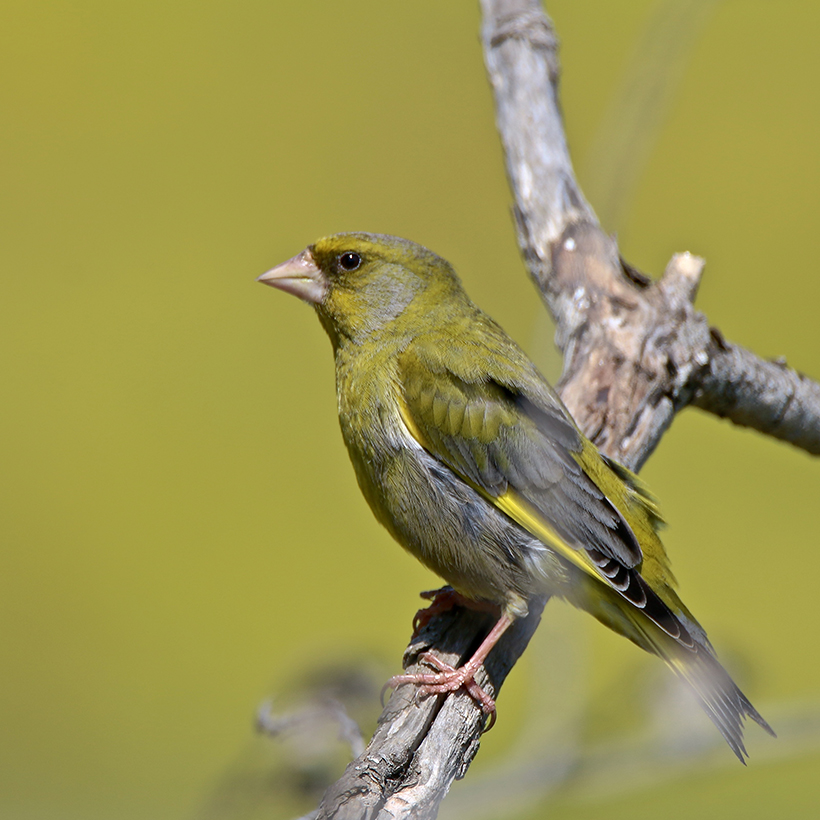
<point>360,283</point>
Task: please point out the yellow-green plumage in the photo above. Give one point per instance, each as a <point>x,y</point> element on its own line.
<point>471,461</point>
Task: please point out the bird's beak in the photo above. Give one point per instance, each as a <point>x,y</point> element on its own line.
<point>299,276</point>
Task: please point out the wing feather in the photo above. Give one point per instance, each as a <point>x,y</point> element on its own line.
<point>513,441</point>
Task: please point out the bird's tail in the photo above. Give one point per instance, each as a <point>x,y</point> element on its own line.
<point>694,663</point>
<point>718,694</point>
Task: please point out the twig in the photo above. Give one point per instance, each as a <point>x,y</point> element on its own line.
<point>768,396</point>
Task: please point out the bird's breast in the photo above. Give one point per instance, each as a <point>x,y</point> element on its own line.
<point>430,510</point>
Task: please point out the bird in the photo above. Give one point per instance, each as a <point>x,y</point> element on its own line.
<point>471,461</point>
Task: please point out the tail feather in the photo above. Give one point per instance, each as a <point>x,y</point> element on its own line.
<point>691,660</point>
<point>717,693</point>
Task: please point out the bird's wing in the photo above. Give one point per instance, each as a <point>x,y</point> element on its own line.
<point>501,428</point>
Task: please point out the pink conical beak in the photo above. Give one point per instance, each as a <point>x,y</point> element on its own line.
<point>299,276</point>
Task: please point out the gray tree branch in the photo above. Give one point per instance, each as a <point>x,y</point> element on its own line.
<point>615,327</point>
<point>767,396</point>
<point>635,352</point>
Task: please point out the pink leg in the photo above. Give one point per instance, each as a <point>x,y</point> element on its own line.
<point>449,679</point>
<point>443,600</point>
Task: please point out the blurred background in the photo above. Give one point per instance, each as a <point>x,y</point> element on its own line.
<point>182,536</point>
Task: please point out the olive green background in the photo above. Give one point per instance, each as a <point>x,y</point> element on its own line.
<point>181,531</point>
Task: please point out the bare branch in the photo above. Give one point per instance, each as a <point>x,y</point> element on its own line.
<point>520,51</point>
<point>422,745</point>
<point>767,396</point>
<point>615,327</point>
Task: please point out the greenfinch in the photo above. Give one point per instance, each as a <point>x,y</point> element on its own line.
<point>469,458</point>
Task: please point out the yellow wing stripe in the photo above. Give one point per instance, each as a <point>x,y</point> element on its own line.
<point>411,425</point>
<point>524,514</point>
<point>511,504</point>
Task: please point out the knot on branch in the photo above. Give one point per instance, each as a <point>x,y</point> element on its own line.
<point>527,25</point>
<point>534,27</point>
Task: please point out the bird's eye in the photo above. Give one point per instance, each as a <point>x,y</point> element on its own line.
<point>350,261</point>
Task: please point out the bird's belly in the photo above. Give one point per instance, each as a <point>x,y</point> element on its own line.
<point>455,531</point>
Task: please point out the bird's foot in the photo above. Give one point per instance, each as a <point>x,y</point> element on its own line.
<point>443,600</point>
<point>447,679</point>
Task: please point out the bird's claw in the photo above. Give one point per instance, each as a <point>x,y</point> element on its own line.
<point>446,679</point>
<point>443,600</point>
